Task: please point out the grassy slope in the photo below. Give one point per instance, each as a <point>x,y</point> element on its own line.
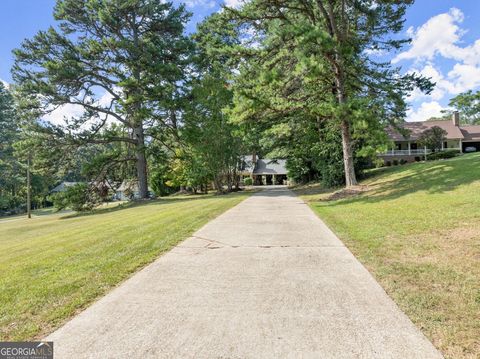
<point>52,266</point>
<point>417,229</point>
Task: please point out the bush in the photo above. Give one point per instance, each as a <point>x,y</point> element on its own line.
<point>248,181</point>
<point>395,162</point>
<point>441,155</point>
<point>403,161</point>
<point>78,197</point>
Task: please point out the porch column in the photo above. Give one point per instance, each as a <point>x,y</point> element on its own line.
<point>425,152</point>
<point>442,146</point>
<point>409,150</point>
<point>460,145</point>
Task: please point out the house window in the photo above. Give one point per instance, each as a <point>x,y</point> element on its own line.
<point>413,146</point>
<point>445,144</point>
<point>399,146</point>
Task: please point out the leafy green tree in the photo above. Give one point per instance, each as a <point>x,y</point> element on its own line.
<point>12,179</point>
<point>117,60</point>
<point>212,142</point>
<point>13,182</point>
<point>468,104</point>
<point>312,57</point>
<point>432,138</point>
<point>209,133</point>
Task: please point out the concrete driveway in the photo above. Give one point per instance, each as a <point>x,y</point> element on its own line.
<point>267,279</point>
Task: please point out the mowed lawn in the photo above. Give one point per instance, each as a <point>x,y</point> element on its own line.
<point>52,266</point>
<point>417,229</point>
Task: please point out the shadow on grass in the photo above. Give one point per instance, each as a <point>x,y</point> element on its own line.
<point>309,189</point>
<point>155,202</point>
<point>431,177</point>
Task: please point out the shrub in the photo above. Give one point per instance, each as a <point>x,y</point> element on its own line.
<point>248,181</point>
<point>395,162</point>
<point>403,161</point>
<point>388,163</point>
<point>441,155</point>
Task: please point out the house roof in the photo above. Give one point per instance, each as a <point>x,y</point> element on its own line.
<point>63,186</point>
<point>268,166</point>
<point>471,132</point>
<point>416,129</point>
<point>246,165</point>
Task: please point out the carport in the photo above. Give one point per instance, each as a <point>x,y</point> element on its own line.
<point>471,137</point>
<point>269,172</point>
<point>471,144</point>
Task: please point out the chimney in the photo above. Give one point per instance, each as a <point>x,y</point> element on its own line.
<point>456,118</point>
<point>254,158</point>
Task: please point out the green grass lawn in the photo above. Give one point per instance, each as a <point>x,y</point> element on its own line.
<point>54,265</point>
<point>417,229</point>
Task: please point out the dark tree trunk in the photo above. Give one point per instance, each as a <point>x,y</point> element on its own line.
<point>350,178</point>
<point>229,182</point>
<point>218,185</point>
<point>141,162</point>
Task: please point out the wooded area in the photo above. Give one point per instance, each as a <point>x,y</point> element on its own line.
<point>175,111</point>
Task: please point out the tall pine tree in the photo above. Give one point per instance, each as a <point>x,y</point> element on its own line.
<point>117,60</point>
<point>313,56</point>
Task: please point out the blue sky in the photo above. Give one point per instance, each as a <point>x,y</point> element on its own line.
<point>445,47</point>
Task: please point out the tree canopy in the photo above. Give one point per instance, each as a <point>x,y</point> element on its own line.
<point>310,59</point>
<point>468,104</point>
<point>119,61</point>
<point>173,111</point>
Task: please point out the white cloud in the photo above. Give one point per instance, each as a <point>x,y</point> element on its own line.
<point>441,36</point>
<point>68,111</point>
<point>234,3</point>
<point>437,36</point>
<point>460,79</point>
<point>442,87</point>
<point>105,100</point>
<point>464,77</point>
<point>200,3</point>
<point>470,55</point>
<point>425,111</point>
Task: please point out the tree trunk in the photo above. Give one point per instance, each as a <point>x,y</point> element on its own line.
<point>350,178</point>
<point>218,185</point>
<point>229,182</point>
<point>29,189</point>
<point>141,162</point>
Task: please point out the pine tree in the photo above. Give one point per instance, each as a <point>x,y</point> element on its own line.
<point>313,56</point>
<point>118,60</point>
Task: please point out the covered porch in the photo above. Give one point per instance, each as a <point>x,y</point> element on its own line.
<point>270,172</point>
<point>411,150</point>
<point>269,179</point>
